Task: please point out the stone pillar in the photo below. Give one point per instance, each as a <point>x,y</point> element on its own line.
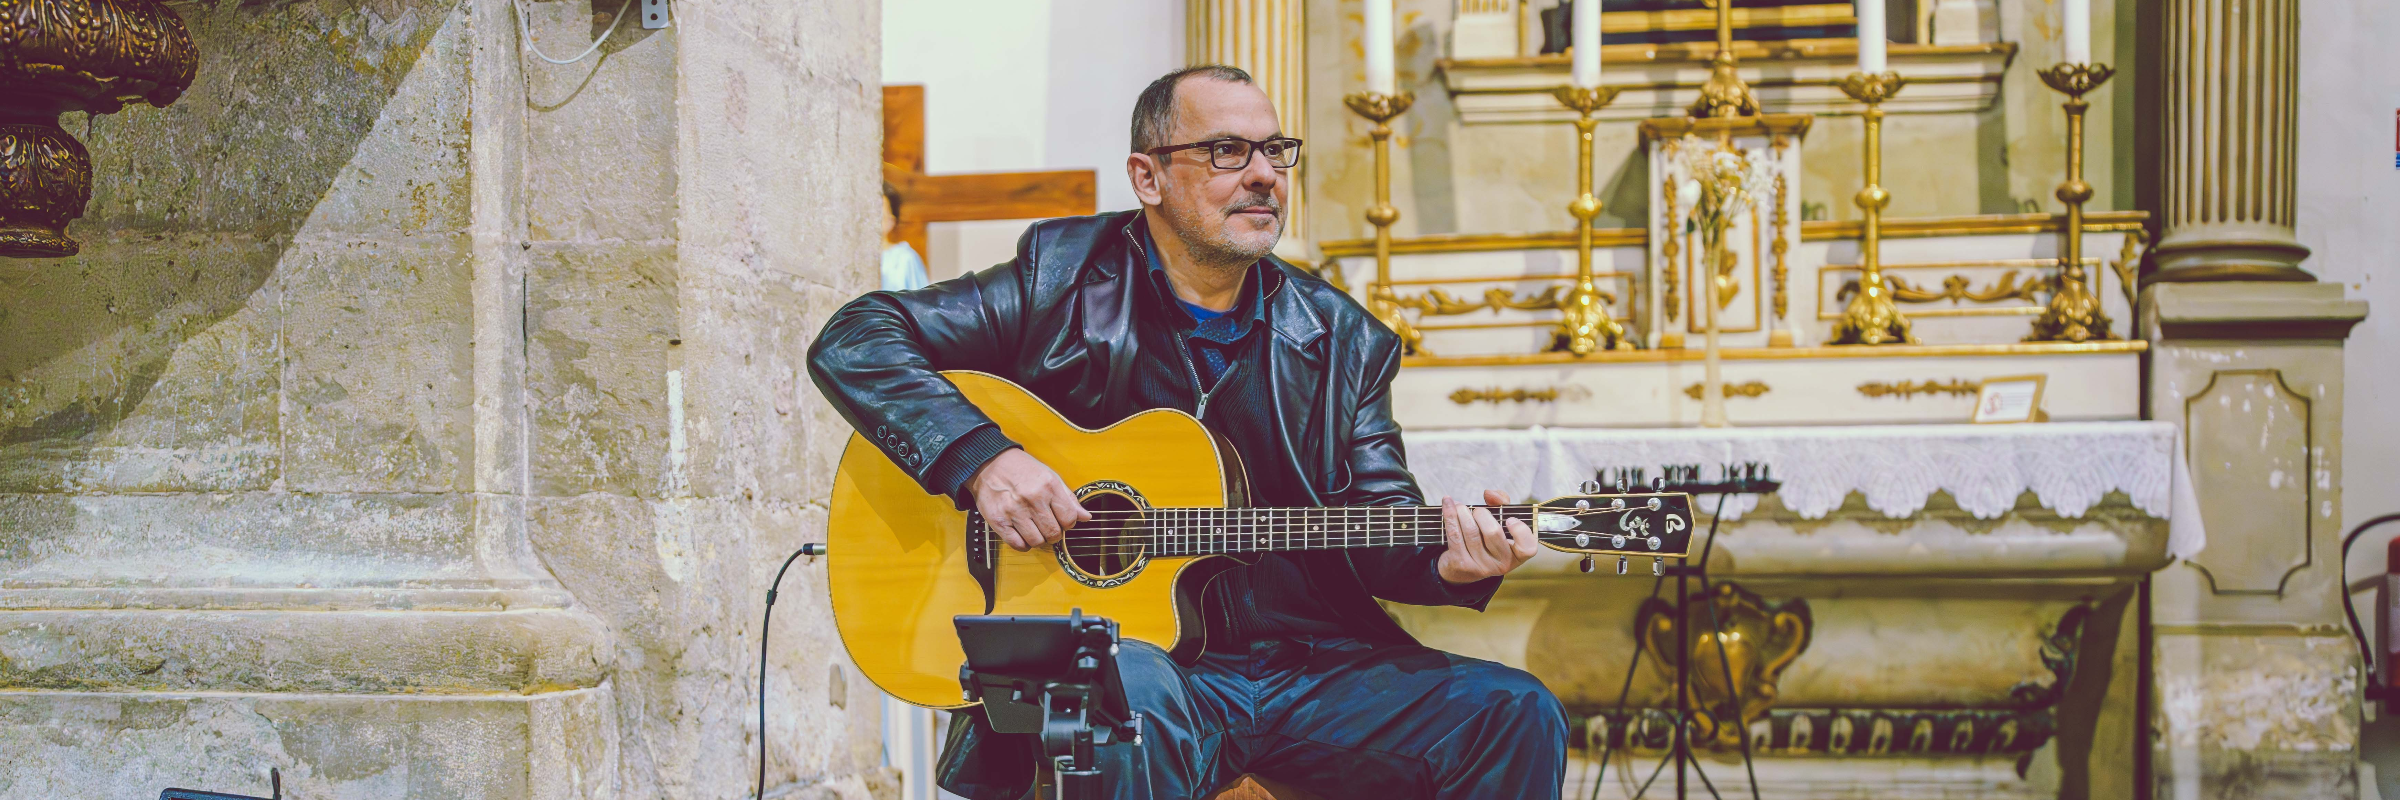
<point>2256,679</point>
<point>2231,105</point>
<point>424,420</point>
<point>1267,39</point>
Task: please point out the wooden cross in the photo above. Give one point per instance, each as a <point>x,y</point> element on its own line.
<point>971,196</point>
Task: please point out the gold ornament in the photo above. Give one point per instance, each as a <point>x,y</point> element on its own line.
<point>1730,632</point>
<point>1872,317</point>
<point>1381,300</point>
<point>57,56</point>
<point>2074,313</point>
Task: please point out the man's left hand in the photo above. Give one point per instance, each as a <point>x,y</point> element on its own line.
<point>1480,547</point>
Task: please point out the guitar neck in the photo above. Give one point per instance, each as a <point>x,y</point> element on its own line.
<point>1208,531</point>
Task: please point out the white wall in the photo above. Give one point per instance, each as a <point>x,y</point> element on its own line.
<point>1026,84</point>
<point>2350,219</point>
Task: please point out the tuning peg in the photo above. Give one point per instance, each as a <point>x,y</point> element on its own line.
<point>1658,566</point>
<point>1620,565</point>
<point>1658,484</point>
<point>1586,566</point>
<point>1590,487</point>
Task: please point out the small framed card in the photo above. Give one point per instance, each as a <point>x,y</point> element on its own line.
<point>2016,398</point>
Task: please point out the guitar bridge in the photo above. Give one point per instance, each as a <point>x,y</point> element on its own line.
<point>980,557</point>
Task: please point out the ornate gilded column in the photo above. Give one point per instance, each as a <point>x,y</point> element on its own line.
<point>1267,39</point>
<point>2230,133</point>
<point>58,56</point>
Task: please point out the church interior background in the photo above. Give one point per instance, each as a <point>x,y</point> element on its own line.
<point>416,409</point>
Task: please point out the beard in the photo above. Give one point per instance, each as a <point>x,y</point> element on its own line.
<point>1208,235</point>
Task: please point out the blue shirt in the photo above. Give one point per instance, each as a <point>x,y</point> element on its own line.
<point>1212,338</point>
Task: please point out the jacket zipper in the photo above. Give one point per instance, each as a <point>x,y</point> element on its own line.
<point>1200,406</point>
<point>1237,609</point>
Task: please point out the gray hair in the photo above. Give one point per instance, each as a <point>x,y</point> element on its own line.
<point>1154,112</point>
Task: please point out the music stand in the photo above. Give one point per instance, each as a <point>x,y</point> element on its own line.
<point>1056,677</point>
<point>1749,478</point>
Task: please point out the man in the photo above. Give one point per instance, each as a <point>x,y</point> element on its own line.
<point>1179,305</point>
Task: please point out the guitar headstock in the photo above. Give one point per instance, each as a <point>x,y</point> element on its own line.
<point>1627,524</point>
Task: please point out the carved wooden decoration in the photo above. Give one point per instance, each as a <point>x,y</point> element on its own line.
<point>58,56</point>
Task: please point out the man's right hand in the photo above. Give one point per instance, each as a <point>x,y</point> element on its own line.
<point>1024,500</point>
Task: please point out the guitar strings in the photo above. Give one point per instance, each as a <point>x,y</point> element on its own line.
<point>1191,531</point>
<point>1166,528</point>
<point>1238,538</point>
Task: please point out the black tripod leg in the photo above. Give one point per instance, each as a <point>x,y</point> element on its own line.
<point>1655,772</point>
<point>1657,584</point>
<point>1717,627</point>
<point>1705,783</point>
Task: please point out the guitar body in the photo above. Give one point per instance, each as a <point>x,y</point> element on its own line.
<point>900,564</point>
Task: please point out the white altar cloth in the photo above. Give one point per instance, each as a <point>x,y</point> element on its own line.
<point>2068,466</point>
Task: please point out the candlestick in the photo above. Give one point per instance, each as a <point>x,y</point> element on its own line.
<point>2078,14</point>
<point>1872,317</point>
<point>1381,301</point>
<point>1871,37</point>
<point>2073,314</point>
<point>1724,95</point>
<point>1585,47</point>
<point>1585,327</point>
<point>1378,41</point>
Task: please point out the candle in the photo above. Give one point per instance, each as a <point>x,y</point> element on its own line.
<point>1870,37</point>
<point>1379,48</point>
<point>1587,43</point>
<point>2079,30</point>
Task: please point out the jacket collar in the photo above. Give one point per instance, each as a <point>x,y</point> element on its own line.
<point>1286,311</point>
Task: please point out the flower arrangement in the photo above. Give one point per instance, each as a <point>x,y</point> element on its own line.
<point>1719,184</point>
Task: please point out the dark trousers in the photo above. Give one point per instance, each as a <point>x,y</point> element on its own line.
<point>1340,718</point>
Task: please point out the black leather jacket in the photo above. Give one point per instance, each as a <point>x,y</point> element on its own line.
<point>1057,320</point>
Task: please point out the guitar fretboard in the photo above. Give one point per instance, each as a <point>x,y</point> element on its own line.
<point>1210,531</point>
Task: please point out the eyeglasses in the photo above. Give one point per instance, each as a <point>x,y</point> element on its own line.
<point>1235,152</point>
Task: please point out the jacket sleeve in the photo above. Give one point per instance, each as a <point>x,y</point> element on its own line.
<point>880,357</point>
<point>1379,476</point>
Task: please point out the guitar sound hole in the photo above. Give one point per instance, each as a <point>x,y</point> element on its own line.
<point>1114,541</point>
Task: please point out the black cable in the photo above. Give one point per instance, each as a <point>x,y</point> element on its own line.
<point>2365,651</point>
<point>810,549</point>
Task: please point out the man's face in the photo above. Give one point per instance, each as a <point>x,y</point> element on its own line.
<point>1225,216</point>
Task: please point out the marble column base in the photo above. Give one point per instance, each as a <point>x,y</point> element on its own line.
<point>2242,715</point>
<point>2232,251</point>
<point>545,746</point>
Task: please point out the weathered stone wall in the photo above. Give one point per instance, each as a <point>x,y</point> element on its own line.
<point>423,419</point>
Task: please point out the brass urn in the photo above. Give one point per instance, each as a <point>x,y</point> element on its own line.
<point>58,56</point>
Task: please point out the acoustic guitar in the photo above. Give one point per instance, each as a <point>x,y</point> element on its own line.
<point>1168,514</point>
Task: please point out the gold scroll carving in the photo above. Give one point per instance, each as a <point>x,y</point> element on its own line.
<point>1908,389</point>
<point>1748,389</point>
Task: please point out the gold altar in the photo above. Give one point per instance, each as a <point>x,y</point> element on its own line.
<point>1955,209</point>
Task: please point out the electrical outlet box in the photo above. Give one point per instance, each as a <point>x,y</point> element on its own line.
<point>654,14</point>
